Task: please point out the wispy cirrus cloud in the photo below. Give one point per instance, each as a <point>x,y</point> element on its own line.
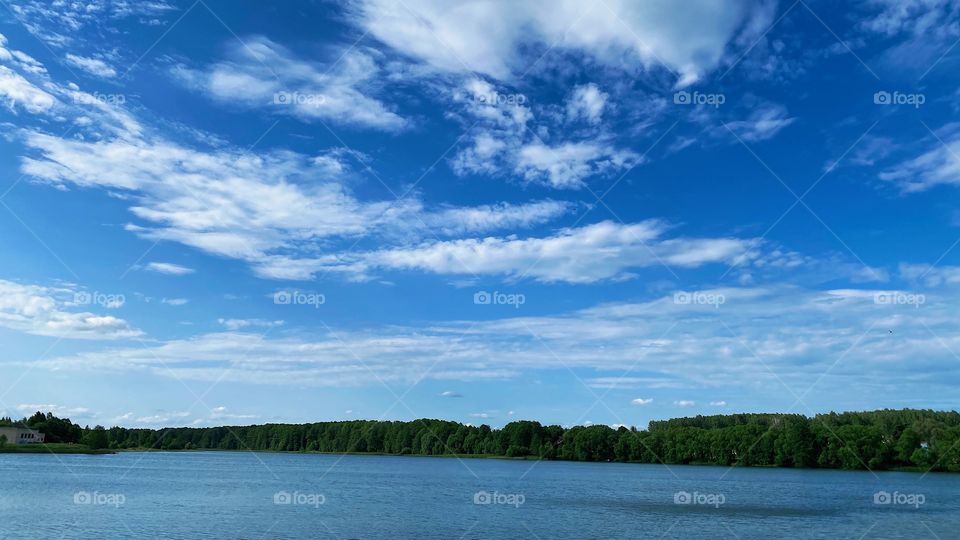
<point>806,338</point>
<point>587,254</point>
<point>169,268</point>
<point>93,66</point>
<point>762,124</point>
<point>937,166</point>
<point>265,75</point>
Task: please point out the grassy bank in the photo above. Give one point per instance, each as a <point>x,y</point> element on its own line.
<point>52,448</point>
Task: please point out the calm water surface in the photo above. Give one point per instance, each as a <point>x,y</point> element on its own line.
<point>246,495</point>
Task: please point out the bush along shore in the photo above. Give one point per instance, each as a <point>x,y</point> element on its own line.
<point>875,440</point>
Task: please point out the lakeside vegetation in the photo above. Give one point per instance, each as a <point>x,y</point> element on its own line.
<point>878,440</point>
<point>54,448</point>
<point>61,436</point>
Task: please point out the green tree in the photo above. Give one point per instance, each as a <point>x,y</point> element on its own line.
<point>96,438</point>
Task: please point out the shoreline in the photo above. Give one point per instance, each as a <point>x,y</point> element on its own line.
<point>87,451</point>
<point>514,458</point>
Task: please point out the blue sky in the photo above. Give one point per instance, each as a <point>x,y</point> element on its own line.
<point>479,211</point>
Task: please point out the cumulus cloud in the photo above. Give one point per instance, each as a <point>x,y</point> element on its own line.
<point>567,165</point>
<point>502,144</point>
<point>586,103</point>
<point>641,401</point>
<point>46,311</point>
<point>503,38</point>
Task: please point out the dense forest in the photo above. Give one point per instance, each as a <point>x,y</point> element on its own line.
<point>876,440</point>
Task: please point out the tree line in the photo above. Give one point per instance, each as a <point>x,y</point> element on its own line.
<point>884,439</point>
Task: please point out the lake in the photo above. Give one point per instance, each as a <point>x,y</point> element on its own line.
<point>271,495</point>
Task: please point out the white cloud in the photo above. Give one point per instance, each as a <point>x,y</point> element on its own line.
<point>718,403</point>
<point>484,218</point>
<point>451,394</point>
<point>237,324</point>
<point>642,401</point>
<point>222,412</point>
<point>169,268</point>
<point>763,123</point>
<point>488,37</point>
<point>759,338</point>
<point>266,75</point>
<point>93,66</point>
<point>587,103</point>
<point>567,165</point>
<point>227,203</point>
<point>938,166</point>
<point>927,275</point>
<point>274,210</point>
<point>684,403</point>
<point>174,301</point>
<point>58,410</point>
<point>921,30</point>
<point>629,382</point>
<point>163,418</point>
<point>500,143</point>
<point>60,24</point>
<point>605,250</point>
<point>16,92</point>
<point>44,311</point>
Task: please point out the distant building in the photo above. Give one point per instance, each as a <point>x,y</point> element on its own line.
<point>18,435</point>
